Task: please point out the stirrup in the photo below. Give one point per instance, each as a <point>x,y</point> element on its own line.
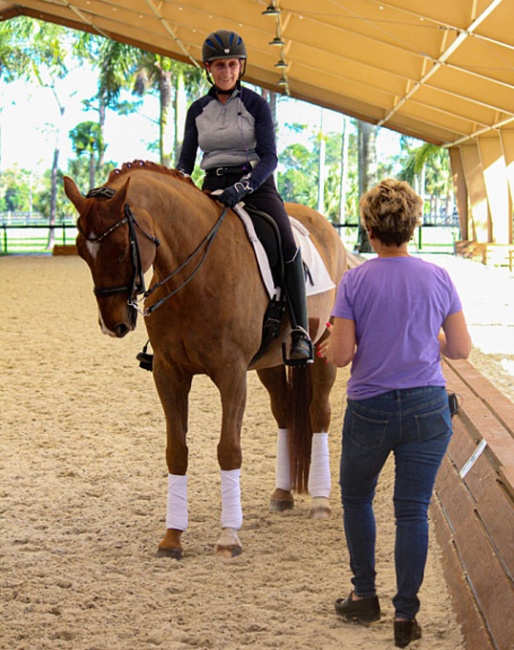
<point>145,359</point>
<point>298,333</point>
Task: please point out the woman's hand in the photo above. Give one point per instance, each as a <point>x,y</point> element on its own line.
<point>339,346</point>
<point>322,349</point>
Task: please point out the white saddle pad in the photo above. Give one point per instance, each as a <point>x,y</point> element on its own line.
<point>318,279</point>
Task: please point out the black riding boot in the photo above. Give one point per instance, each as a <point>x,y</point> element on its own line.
<point>301,345</point>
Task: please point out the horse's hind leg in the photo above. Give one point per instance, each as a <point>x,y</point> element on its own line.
<point>323,378</point>
<point>319,486</point>
<point>275,382</point>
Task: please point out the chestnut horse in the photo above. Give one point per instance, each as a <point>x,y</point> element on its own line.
<point>204,314</point>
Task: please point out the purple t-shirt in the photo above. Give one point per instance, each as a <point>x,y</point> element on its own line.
<point>399,305</point>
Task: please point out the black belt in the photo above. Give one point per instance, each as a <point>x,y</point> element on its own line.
<point>222,171</point>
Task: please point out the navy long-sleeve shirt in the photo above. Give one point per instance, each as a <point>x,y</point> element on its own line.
<point>240,131</point>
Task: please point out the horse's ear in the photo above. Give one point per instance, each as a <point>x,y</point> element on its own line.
<point>120,198</point>
<point>73,193</point>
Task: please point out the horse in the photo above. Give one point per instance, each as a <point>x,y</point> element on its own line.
<point>204,312</point>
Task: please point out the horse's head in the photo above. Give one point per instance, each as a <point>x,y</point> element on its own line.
<point>118,250</point>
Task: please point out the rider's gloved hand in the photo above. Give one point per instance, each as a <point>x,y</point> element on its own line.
<point>232,194</point>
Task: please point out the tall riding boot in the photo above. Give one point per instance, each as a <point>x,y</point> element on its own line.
<point>301,345</point>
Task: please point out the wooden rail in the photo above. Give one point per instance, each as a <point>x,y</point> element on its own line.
<point>473,510</point>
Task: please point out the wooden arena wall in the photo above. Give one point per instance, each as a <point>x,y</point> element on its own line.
<point>473,510</point>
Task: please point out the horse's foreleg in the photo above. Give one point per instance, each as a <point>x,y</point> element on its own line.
<point>173,391</point>
<point>232,387</point>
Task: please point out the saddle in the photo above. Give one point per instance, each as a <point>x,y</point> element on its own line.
<point>268,234</point>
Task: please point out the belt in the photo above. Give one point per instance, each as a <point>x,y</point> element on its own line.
<point>222,171</point>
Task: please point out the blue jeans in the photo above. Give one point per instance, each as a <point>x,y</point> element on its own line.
<point>415,424</point>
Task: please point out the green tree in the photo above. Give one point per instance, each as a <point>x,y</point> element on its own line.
<point>427,168</point>
<point>87,140</point>
<point>368,172</point>
<point>176,84</point>
<point>35,50</point>
<point>115,63</point>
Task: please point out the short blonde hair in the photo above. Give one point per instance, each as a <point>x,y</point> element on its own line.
<point>391,210</point>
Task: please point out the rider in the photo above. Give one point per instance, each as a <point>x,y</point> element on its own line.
<point>234,128</point>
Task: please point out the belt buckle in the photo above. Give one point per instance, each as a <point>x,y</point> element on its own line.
<point>219,171</point>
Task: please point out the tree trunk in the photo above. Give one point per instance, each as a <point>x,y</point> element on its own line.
<point>180,113</point>
<point>53,200</point>
<point>321,167</point>
<point>343,186</point>
<point>367,139</point>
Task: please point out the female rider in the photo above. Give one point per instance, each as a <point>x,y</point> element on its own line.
<point>234,128</point>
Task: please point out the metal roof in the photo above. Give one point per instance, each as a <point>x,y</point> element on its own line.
<point>438,70</point>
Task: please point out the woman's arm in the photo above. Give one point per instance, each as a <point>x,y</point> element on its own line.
<point>339,347</point>
<point>454,340</point>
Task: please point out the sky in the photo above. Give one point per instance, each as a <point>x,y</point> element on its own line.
<point>29,116</point>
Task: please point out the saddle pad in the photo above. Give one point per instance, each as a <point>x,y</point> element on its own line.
<point>318,279</point>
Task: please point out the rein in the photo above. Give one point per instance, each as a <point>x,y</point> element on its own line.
<point>138,282</point>
<point>206,242</point>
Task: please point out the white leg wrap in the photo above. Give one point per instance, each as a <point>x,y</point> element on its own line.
<point>231,511</point>
<point>283,466</point>
<point>320,482</point>
<point>176,515</point>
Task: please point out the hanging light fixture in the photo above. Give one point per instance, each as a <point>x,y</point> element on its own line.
<point>271,10</point>
<point>278,39</point>
<point>281,65</point>
<point>283,82</point>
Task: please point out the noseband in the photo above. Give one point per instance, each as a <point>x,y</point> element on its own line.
<point>137,285</point>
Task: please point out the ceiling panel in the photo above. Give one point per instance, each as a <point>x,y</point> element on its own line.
<point>442,71</point>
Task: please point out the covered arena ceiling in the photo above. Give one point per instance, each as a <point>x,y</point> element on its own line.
<point>439,70</point>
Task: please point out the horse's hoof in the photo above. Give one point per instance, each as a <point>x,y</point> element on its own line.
<point>320,513</point>
<point>173,553</point>
<point>320,508</point>
<point>229,551</point>
<point>280,506</point>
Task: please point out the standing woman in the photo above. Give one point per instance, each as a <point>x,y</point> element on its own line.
<point>234,129</point>
<point>394,316</point>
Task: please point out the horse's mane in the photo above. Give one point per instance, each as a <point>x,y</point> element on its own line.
<point>150,166</point>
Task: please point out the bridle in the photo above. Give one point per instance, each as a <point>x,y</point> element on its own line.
<point>137,285</point>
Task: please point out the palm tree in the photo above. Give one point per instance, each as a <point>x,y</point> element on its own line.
<point>116,63</point>
<point>36,50</point>
<point>174,83</point>
<point>367,143</point>
<point>427,169</point>
<point>87,138</point>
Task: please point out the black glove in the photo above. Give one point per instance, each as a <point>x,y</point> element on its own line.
<point>235,193</point>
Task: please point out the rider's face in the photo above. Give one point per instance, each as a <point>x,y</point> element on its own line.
<point>225,72</point>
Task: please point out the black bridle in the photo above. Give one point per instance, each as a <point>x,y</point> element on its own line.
<point>137,285</point>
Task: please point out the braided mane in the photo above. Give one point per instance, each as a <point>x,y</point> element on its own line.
<point>150,166</point>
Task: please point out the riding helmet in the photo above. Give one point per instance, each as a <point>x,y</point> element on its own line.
<point>223,44</point>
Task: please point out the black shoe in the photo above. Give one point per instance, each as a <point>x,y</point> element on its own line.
<point>405,632</point>
<point>301,347</point>
<point>366,610</point>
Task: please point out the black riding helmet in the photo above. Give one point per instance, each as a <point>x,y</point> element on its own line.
<point>224,44</point>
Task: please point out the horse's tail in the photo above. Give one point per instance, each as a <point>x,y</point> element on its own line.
<point>299,425</point>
